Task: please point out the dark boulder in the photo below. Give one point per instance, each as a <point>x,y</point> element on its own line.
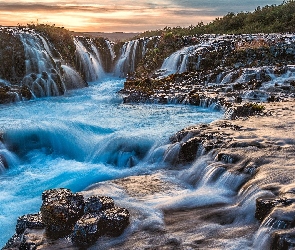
<point>189,149</point>
<point>86,230</point>
<point>228,158</point>
<point>32,221</point>
<point>60,210</point>
<point>94,204</point>
<point>245,110</point>
<point>283,239</point>
<point>279,210</point>
<point>90,226</point>
<point>114,221</point>
<point>26,93</point>
<point>264,206</point>
<point>64,214</point>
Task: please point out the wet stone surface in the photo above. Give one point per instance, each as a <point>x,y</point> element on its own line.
<point>66,214</point>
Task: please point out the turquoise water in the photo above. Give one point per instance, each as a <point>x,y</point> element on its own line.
<point>86,136</point>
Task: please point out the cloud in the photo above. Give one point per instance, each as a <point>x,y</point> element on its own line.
<point>222,7</point>
<point>125,15</point>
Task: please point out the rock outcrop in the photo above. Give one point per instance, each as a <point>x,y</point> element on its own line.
<point>67,214</point>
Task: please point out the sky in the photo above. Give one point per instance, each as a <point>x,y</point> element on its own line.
<point>121,16</point>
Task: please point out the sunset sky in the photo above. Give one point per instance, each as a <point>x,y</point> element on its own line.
<point>125,15</point>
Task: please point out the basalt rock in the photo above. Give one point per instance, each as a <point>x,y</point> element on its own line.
<point>95,204</point>
<point>283,240</point>
<point>90,226</point>
<point>245,110</point>
<point>277,212</point>
<point>264,207</point>
<point>228,158</point>
<point>64,213</point>
<point>60,210</point>
<point>32,221</point>
<point>87,229</point>
<point>197,140</point>
<point>189,150</point>
<point>114,220</point>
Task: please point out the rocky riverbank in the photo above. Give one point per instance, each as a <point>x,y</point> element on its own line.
<point>255,154</point>
<point>259,150</point>
<point>65,215</point>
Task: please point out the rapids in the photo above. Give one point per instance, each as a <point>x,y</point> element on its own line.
<point>88,135</point>
<point>81,138</point>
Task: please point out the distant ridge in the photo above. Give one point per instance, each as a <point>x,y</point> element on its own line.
<point>114,36</point>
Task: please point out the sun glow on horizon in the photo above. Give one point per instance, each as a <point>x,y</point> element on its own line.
<point>111,16</point>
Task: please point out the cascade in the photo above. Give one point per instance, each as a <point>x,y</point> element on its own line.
<point>111,49</point>
<point>89,136</point>
<point>71,78</point>
<point>130,55</point>
<point>7,158</point>
<point>178,62</point>
<point>125,63</point>
<point>43,75</point>
<point>89,61</point>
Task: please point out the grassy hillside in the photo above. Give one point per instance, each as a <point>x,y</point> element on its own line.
<point>268,19</point>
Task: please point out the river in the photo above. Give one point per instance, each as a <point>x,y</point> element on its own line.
<point>84,137</point>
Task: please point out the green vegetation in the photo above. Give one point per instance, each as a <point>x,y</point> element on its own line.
<point>158,49</point>
<point>268,19</point>
<point>256,107</point>
<point>12,67</point>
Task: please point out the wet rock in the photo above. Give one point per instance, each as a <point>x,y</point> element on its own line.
<point>31,239</point>
<point>197,140</point>
<point>278,211</point>
<point>64,213</point>
<point>185,134</point>
<point>32,221</point>
<point>245,110</point>
<point>87,229</point>
<point>283,240</point>
<point>189,149</point>
<point>282,216</point>
<point>228,158</point>
<point>114,221</point>
<point>13,243</point>
<point>60,210</point>
<point>94,204</point>
<point>246,143</point>
<point>5,95</point>
<point>264,207</point>
<point>26,93</point>
<point>90,226</point>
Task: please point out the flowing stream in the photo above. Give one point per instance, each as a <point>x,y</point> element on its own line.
<point>81,138</point>
<point>88,135</point>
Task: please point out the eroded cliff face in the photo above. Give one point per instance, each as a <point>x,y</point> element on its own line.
<point>44,60</point>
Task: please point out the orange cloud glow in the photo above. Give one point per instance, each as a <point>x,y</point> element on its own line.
<point>112,15</point>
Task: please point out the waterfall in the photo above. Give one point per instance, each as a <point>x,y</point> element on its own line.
<point>111,49</point>
<point>178,62</point>
<point>126,61</point>
<point>89,61</point>
<point>130,55</point>
<point>43,76</point>
<point>72,79</point>
<point>38,59</point>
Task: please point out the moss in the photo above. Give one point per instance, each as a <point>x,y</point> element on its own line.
<point>12,67</point>
<point>256,107</point>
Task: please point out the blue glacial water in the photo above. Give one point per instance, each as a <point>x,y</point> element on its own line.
<point>86,136</point>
